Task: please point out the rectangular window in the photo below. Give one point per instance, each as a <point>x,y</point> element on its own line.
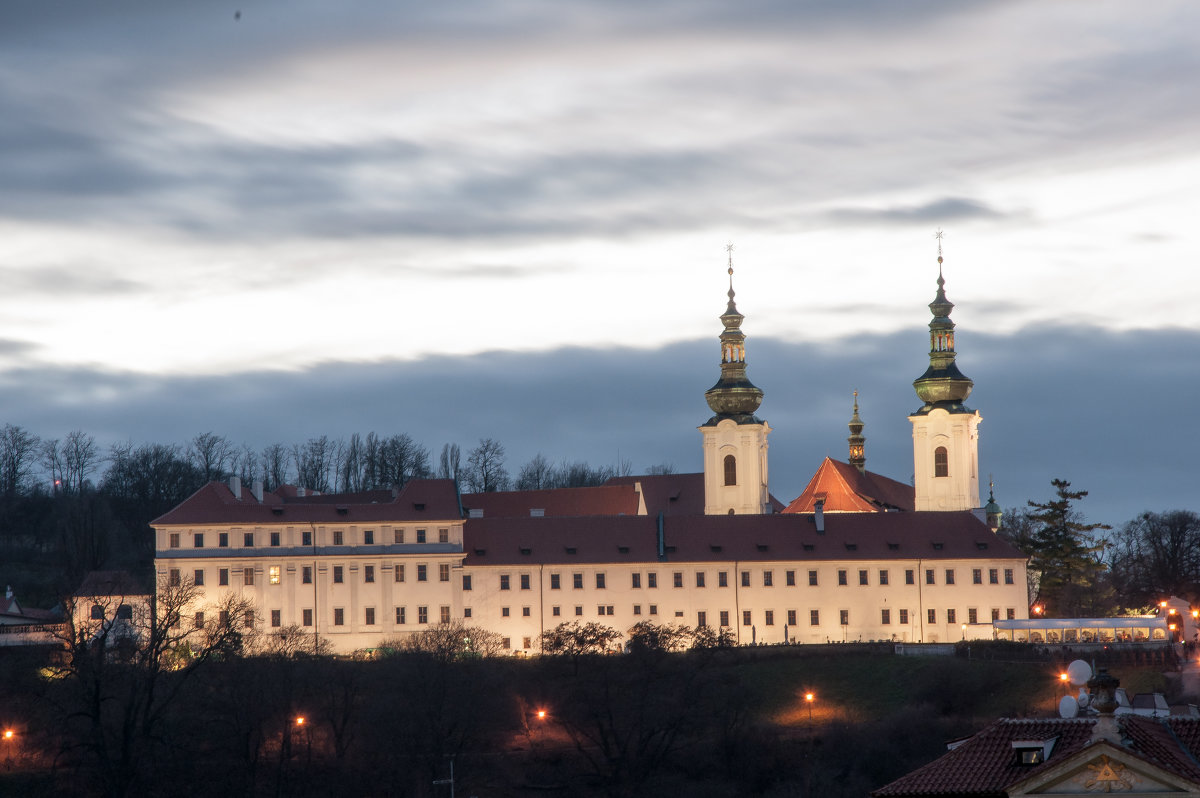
<point>635,580</point>
<point>654,609</point>
<point>652,579</point>
<point>198,622</point>
<point>909,577</point>
<point>443,536</point>
<point>339,537</point>
<point>554,581</point>
<point>769,616</point>
<point>368,573</point>
<point>993,576</point>
<point>600,581</point>
<point>724,617</point>
<point>466,581</point>
<point>223,619</point>
<point>745,579</point>
<point>556,611</point>
<point>339,616</point>
<point>812,578</point>
<point>369,616</point>
<point>198,540</point>
<point>862,577</point>
<point>198,577</point>
<point>904,617</point>
<point>399,572</point>
<point>524,581</point>
<point>972,615</point>
<point>173,577</point>
<point>701,619</point>
<point>951,616</point>
<point>790,578</point>
<point>337,574</point>
<point>885,617</point>
<point>1011,614</point>
<point>444,613</point>
<point>841,576</point>
<point>814,617</point>
<point>247,576</point>
<point>506,642</point>
<point>398,536</point>
<point>995,613</point>
<point>444,572</point>
<point>275,539</point>
<point>791,616</point>
<point>1008,576</point>
<point>368,537</point>
<point>949,576</point>
<point>400,616</point>
<point>273,574</point>
<point>525,612</point>
<point>248,539</point>
<point>223,576</point>
<point>248,621</point>
<point>306,574</point>
<point>931,616</point>
<point>699,579</point>
<point>577,581</point>
<point>420,535</point>
<point>422,615</point>
<point>466,612</point>
<point>768,578</point>
<point>883,577</point>
<point>929,576</point>
<point>844,617</point>
<point>527,642</point>
<point>637,609</point>
<point>276,618</point>
<point>422,572</point>
<point>722,579</point>
<point>173,540</point>
<point>223,539</point>
<point>977,576</point>
<point>307,617</point>
<point>504,612</point>
<point>306,538</point>
<point>578,609</point>
<point>677,579</point>
<point>746,618</point>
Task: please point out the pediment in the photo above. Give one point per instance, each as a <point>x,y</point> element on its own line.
<point>1105,769</point>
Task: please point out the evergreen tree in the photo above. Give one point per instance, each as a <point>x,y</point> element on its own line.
<point>1067,556</point>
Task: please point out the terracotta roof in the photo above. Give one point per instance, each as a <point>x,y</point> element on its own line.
<point>110,583</point>
<point>419,500</point>
<point>986,765</point>
<point>674,494</point>
<point>724,538</point>
<point>602,500</point>
<point>848,490</point>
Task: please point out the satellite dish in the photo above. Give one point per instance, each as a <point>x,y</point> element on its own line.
<point>1078,672</point>
<point>1068,707</point>
<point>1084,699</point>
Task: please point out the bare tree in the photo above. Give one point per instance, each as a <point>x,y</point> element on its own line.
<point>54,465</point>
<point>80,458</point>
<point>661,469</point>
<point>210,452</point>
<point>313,462</point>
<point>275,465</point>
<point>400,459</point>
<point>485,467</point>
<point>451,462</point>
<point>18,448</point>
<point>536,474</point>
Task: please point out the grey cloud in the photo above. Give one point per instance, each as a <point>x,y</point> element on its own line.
<point>946,208</point>
<point>60,281</point>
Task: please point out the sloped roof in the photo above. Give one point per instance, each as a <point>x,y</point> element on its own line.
<point>986,765</point>
<point>418,500</point>
<point>845,489</point>
<point>110,583</point>
<point>674,494</point>
<point>603,500</point>
<point>725,538</point>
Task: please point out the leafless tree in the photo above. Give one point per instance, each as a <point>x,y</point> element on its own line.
<point>485,467</point>
<point>450,466</point>
<point>536,474</point>
<point>245,463</point>
<point>18,448</point>
<point>660,469</point>
<point>210,452</point>
<point>275,465</point>
<point>313,462</point>
<point>400,459</point>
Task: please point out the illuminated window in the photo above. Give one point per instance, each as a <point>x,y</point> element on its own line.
<point>730,470</point>
<point>941,467</point>
<point>273,574</point>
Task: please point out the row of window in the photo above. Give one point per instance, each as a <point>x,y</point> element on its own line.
<point>767,577</point>
<point>275,538</point>
<point>814,616</point>
<point>275,574</point>
<point>339,616</point>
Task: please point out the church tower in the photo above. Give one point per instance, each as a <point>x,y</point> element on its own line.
<point>735,440</point>
<point>858,454</point>
<point>945,431</point>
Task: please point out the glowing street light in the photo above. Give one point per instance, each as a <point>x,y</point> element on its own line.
<point>541,714</point>
<point>9,734</point>
<point>808,699</point>
<point>964,631</point>
<point>1038,609</point>
<point>300,720</point>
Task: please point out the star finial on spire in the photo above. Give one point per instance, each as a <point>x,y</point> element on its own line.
<point>939,235</point>
<point>729,249</point>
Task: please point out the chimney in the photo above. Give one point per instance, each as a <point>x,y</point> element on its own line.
<point>257,490</point>
<point>8,592</point>
<point>819,516</point>
<point>235,485</point>
<point>299,492</point>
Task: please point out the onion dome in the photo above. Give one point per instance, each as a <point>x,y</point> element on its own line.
<point>942,383</point>
<point>992,510</point>
<point>734,396</point>
<point>858,457</point>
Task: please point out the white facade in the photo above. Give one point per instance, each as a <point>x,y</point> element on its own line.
<point>735,468</point>
<point>946,460</point>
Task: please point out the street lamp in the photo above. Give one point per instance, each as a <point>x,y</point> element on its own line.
<point>9,734</point>
<point>964,631</point>
<point>808,699</point>
<point>300,720</point>
<point>541,714</point>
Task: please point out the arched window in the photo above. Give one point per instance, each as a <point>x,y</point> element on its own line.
<point>941,465</point>
<point>730,470</point>
<point>125,612</point>
<point>97,612</point>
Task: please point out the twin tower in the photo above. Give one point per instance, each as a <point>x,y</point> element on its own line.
<point>945,431</point>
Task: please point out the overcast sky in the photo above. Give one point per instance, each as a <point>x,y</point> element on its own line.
<point>276,219</point>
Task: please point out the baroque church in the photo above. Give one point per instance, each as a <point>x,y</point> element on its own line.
<point>856,557</point>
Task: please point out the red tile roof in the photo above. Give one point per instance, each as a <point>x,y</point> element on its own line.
<point>724,538</point>
<point>845,489</point>
<point>674,494</point>
<point>110,583</point>
<point>986,765</point>
<point>602,500</point>
<point>419,500</point>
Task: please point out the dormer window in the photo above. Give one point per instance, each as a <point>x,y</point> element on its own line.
<point>1033,752</point>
